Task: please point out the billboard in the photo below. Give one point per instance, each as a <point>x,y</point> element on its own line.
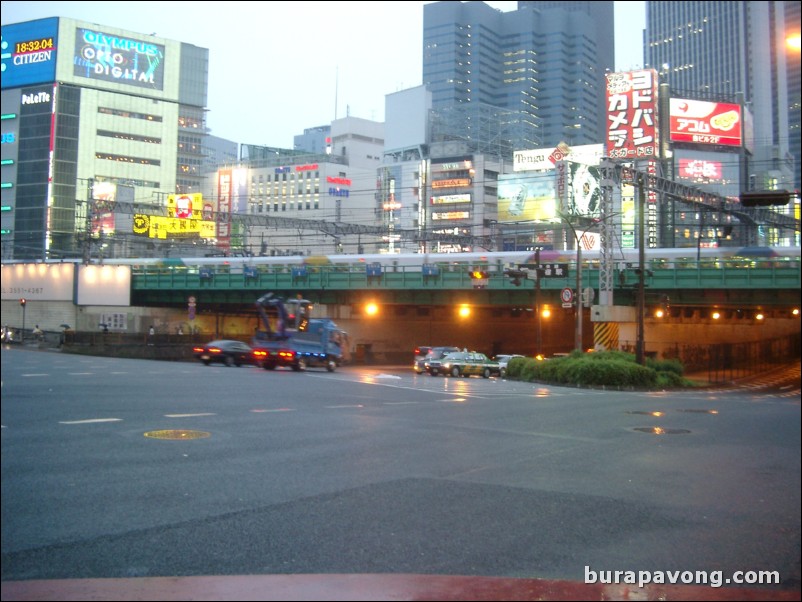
<point>708,170</point>
<point>107,57</point>
<point>159,226</point>
<point>529,198</point>
<point>632,114</point>
<point>29,53</point>
<point>705,122</point>
<point>582,189</point>
<point>546,158</point>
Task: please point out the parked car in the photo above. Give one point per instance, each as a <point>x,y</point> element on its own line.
<point>503,359</point>
<point>464,363</point>
<point>425,353</point>
<point>225,351</point>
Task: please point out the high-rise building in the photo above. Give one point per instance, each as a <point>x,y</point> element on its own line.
<point>735,51</point>
<point>793,8</point>
<point>92,114</point>
<point>546,61</point>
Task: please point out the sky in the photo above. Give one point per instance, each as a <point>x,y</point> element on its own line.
<point>275,71</point>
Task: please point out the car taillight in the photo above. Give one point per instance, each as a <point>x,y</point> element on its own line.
<point>214,350</point>
<point>259,353</point>
<point>286,354</point>
<point>197,349</point>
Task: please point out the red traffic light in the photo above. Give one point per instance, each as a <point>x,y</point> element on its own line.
<point>22,302</point>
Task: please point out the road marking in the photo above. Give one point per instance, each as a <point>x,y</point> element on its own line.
<point>190,415</point>
<point>356,405</point>
<point>42,374</point>
<point>90,421</point>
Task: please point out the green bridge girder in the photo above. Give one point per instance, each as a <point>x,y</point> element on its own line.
<point>169,286</point>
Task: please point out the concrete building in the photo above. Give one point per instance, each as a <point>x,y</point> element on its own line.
<point>719,51</point>
<point>290,202</point>
<point>87,109</point>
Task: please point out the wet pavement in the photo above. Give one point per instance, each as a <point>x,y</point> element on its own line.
<point>368,587</point>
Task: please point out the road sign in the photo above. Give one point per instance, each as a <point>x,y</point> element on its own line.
<point>567,297</point>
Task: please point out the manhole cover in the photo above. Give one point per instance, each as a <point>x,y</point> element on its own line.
<point>656,430</point>
<point>177,435</point>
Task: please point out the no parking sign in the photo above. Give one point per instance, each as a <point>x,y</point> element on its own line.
<point>567,297</point>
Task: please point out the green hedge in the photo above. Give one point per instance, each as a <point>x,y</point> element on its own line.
<point>602,369</point>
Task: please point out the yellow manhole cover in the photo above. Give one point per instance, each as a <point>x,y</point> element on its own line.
<point>177,435</point>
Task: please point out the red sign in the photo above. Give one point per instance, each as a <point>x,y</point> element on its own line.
<point>705,122</point>
<point>183,206</point>
<point>632,114</point>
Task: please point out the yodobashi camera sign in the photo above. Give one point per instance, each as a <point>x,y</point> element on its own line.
<point>122,60</point>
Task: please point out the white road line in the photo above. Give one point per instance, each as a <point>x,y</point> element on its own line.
<point>90,421</point>
<point>190,415</point>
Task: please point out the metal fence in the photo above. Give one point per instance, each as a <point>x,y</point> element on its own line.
<point>724,362</point>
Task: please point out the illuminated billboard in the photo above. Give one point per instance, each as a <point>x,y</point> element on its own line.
<point>705,122</point>
<point>544,158</point>
<point>699,170</point>
<point>185,206</point>
<point>122,60</point>
<point>159,226</point>
<point>530,198</point>
<point>632,114</point>
<point>29,53</point>
<point>708,170</point>
<point>453,183</point>
<point>581,188</point>
<point>447,199</point>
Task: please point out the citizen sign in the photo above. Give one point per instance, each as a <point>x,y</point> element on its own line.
<point>35,99</point>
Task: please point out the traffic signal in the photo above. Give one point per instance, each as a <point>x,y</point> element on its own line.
<point>515,275</point>
<point>479,277</point>
<point>765,198</point>
<point>22,302</point>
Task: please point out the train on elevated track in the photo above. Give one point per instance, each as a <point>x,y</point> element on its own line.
<point>494,260</point>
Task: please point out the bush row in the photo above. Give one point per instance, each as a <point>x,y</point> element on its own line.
<point>602,369</point>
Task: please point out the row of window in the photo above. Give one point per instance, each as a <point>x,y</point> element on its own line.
<point>285,191</point>
<point>129,114</point>
<point>125,136</point>
<point>264,207</point>
<point>127,159</point>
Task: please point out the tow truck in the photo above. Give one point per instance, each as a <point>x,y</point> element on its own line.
<point>291,338</point>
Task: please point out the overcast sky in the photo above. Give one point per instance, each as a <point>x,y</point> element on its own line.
<point>276,68</point>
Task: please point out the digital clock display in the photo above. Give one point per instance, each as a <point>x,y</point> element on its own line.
<point>29,52</point>
<point>34,45</point>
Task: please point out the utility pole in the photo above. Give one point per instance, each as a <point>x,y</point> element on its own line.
<point>538,274</point>
<point>578,296</point>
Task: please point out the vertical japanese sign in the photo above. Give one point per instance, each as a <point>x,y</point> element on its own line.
<point>224,184</point>
<point>632,114</point>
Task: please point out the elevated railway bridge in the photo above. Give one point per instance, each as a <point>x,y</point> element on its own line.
<point>393,308</point>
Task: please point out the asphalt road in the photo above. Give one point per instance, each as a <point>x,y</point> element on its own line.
<point>134,468</point>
